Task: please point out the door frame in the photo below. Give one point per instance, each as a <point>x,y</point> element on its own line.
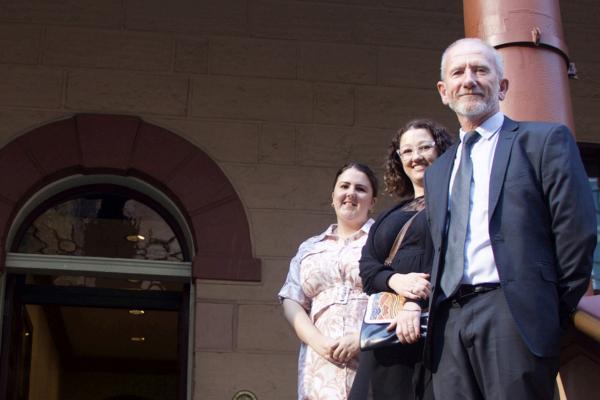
<point>22,264</point>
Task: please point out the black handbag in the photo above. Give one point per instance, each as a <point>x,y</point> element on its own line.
<point>374,335</point>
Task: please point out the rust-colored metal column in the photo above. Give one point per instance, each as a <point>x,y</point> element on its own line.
<point>529,35</point>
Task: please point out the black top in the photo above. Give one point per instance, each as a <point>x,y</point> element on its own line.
<point>397,371</point>
<point>415,253</point>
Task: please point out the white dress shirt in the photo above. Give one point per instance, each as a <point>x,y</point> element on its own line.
<point>480,266</point>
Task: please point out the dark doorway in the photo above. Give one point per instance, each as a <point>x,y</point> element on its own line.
<point>107,341</point>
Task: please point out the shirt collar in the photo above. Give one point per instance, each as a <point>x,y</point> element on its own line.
<point>489,127</point>
<point>362,231</point>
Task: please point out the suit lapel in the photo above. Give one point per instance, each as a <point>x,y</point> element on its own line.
<point>506,138</point>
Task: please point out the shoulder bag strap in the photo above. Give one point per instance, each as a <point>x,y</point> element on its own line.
<point>399,239</point>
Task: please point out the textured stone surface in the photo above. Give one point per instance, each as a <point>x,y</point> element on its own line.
<point>585,13</point>
<point>107,49</point>
<point>16,122</point>
<point>278,93</point>
<point>343,23</point>
<point>214,326</point>
<point>191,55</point>
<point>407,27</point>
<point>127,92</point>
<point>407,67</point>
<point>13,185</point>
<point>333,104</point>
<point>19,44</point>
<point>451,6</point>
<point>579,39</point>
<point>25,86</point>
<point>338,63</point>
<point>277,144</point>
<point>274,271</point>
<point>252,335</point>
<point>187,16</point>
<point>253,57</point>
<point>392,107</point>
<point>586,123</point>
<point>106,13</point>
<point>44,143</point>
<point>302,21</point>
<point>251,98</point>
<point>279,233</point>
<point>270,376</point>
<point>588,82</point>
<point>334,146</point>
<point>282,187</point>
<point>223,141</point>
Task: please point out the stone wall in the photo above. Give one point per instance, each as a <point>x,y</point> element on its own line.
<point>582,34</point>
<point>279,93</point>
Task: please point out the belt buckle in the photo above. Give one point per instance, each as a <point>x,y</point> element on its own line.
<point>463,292</point>
<point>343,294</point>
<point>466,291</point>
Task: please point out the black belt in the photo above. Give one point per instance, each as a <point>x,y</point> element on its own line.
<point>464,291</point>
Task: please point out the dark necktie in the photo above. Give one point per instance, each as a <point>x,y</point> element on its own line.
<point>459,218</point>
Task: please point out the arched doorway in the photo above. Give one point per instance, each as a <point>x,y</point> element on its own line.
<point>98,281</point>
<point>112,155</point>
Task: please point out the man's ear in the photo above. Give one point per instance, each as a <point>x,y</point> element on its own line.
<point>503,89</point>
<point>441,87</point>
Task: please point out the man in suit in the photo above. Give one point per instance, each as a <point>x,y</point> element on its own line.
<point>514,230</point>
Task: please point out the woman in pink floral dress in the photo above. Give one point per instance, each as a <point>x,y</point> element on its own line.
<point>322,297</point>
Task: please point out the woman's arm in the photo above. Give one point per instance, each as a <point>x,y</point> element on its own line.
<point>373,272</point>
<point>307,331</point>
<point>378,277</point>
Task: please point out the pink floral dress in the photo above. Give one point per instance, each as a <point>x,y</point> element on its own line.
<point>323,278</point>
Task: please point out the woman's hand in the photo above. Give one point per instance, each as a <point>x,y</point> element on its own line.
<point>407,324</point>
<point>324,346</point>
<point>413,286</point>
<point>307,331</point>
<point>346,349</point>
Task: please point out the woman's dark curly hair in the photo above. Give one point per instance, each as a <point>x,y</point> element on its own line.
<point>396,181</point>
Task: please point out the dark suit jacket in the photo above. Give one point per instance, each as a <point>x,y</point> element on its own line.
<point>542,228</point>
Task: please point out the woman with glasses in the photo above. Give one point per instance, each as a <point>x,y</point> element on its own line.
<point>397,372</point>
<point>322,296</point>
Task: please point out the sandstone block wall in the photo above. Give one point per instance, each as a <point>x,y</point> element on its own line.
<point>279,93</point>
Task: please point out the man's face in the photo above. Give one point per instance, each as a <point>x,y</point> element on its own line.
<point>472,87</point>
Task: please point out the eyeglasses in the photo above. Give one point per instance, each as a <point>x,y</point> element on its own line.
<point>406,153</point>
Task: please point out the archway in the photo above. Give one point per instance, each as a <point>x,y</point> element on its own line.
<point>120,145</point>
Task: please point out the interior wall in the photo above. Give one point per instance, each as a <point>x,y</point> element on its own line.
<point>280,93</point>
<point>45,375</point>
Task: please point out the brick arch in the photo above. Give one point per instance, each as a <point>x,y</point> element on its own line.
<point>129,146</point>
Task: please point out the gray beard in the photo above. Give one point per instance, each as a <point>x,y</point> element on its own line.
<point>470,110</point>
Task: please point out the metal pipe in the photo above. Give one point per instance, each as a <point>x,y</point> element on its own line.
<point>529,35</point>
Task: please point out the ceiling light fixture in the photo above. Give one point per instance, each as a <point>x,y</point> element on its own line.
<point>138,339</point>
<point>135,238</point>
<point>137,312</point>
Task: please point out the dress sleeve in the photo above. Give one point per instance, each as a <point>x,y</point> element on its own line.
<point>292,289</point>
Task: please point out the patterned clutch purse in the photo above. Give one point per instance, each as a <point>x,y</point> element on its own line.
<point>383,308</point>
